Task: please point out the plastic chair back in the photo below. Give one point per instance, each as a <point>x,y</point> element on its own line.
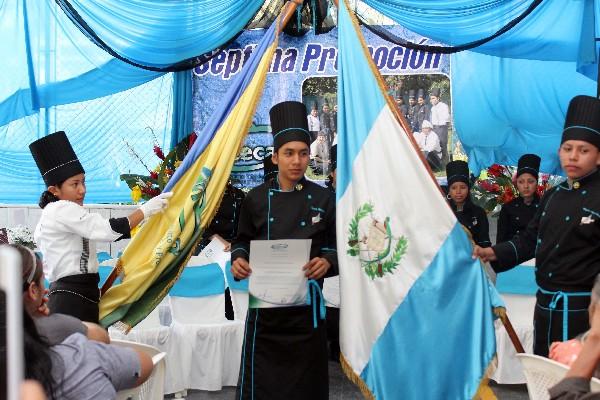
<point>153,388</point>
<point>541,374</point>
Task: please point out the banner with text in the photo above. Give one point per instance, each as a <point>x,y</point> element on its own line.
<point>305,69</point>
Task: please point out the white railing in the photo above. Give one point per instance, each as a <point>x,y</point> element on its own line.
<point>29,214</point>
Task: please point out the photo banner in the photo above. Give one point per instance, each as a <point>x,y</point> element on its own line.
<point>296,60</point>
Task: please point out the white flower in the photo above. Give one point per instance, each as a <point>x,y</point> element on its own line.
<point>22,235</point>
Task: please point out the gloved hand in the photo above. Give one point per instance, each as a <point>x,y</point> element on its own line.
<point>156,204</point>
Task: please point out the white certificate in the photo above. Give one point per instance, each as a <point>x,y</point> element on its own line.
<point>277,278</point>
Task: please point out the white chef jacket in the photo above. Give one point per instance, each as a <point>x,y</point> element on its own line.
<point>66,235</point>
<point>440,114</point>
<point>428,143</point>
<point>314,125</point>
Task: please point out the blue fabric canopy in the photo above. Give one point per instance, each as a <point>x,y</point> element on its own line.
<point>554,31</point>
<point>504,108</point>
<point>49,65</point>
<point>510,95</point>
<point>50,62</point>
<point>159,33</point>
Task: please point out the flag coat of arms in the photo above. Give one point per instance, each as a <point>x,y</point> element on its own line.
<point>417,316</point>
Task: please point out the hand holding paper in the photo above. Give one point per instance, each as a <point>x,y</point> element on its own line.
<point>278,272</point>
<point>316,268</point>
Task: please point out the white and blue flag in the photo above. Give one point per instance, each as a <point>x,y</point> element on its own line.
<point>417,316</point>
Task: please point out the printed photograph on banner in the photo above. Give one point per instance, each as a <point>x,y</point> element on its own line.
<point>304,68</point>
<point>423,99</point>
<point>319,97</point>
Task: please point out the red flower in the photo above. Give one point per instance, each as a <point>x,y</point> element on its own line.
<point>193,138</point>
<point>507,196</point>
<point>154,175</point>
<point>158,152</point>
<point>495,170</point>
<point>150,192</point>
<point>542,188</point>
<point>489,186</point>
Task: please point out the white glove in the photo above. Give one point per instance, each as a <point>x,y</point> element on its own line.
<point>156,204</point>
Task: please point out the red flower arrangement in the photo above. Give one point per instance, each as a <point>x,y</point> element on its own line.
<point>497,186</point>
<point>148,186</point>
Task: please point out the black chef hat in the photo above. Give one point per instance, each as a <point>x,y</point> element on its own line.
<point>333,156</point>
<point>457,171</point>
<point>583,120</point>
<point>411,94</point>
<point>421,93</point>
<point>289,123</point>
<point>529,163</point>
<point>435,92</point>
<point>55,158</point>
<point>270,169</point>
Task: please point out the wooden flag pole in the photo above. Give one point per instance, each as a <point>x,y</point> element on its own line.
<point>501,313</point>
<point>286,14</point>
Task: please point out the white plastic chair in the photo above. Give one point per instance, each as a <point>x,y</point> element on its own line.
<point>542,373</point>
<point>153,388</point>
<point>208,345</point>
<point>150,332</point>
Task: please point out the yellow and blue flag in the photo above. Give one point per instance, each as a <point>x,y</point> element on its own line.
<point>417,317</point>
<point>154,259</point>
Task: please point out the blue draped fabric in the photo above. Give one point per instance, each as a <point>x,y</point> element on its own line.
<point>510,95</point>
<point>182,123</point>
<point>159,33</point>
<point>113,77</point>
<point>554,31</point>
<point>504,108</point>
<point>47,61</point>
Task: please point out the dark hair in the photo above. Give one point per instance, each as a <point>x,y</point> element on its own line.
<point>38,357</point>
<point>38,360</point>
<point>47,197</point>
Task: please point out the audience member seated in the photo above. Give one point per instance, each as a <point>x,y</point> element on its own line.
<point>56,327</point>
<point>75,368</point>
<point>576,384</point>
<point>429,143</point>
<point>80,369</point>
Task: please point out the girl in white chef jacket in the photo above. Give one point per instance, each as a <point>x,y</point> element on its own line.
<point>67,232</point>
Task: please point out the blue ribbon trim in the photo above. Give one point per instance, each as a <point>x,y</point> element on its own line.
<point>582,127</point>
<point>292,129</point>
<point>314,290</point>
<point>556,297</point>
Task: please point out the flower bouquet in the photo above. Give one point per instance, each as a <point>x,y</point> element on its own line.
<point>144,187</point>
<point>497,185</point>
<point>22,235</point>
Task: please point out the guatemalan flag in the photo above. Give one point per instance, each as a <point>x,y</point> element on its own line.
<point>417,316</point>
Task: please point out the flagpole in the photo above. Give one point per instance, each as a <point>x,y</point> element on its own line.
<point>286,14</point>
<point>501,312</point>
